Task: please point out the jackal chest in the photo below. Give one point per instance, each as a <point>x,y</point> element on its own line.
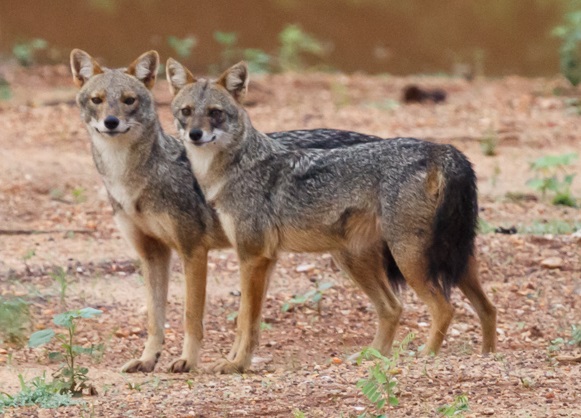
<point>124,195</point>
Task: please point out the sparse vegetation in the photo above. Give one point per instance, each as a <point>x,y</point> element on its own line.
<point>294,44</point>
<point>570,51</point>
<point>457,408</point>
<point>71,378</point>
<point>5,90</point>
<point>36,392</point>
<point>380,386</point>
<point>552,173</point>
<point>258,60</point>
<point>310,297</point>
<point>489,143</point>
<point>59,275</point>
<point>182,46</point>
<point>25,51</point>
<point>79,194</point>
<point>14,320</point>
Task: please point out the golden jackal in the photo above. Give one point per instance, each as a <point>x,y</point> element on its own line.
<point>404,207</point>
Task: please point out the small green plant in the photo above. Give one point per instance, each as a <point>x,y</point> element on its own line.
<point>489,143</point>
<point>552,174</point>
<point>14,320</point>
<point>257,60</point>
<point>556,345</point>
<point>36,392</point>
<point>379,387</point>
<point>229,53</point>
<point>79,194</point>
<point>5,90</point>
<point>575,335</point>
<point>182,46</point>
<point>59,275</point>
<point>71,377</point>
<point>575,340</point>
<point>25,51</point>
<point>29,254</point>
<point>485,227</point>
<point>312,296</point>
<point>570,51</point>
<point>294,44</point>
<point>458,407</point>
<point>297,413</point>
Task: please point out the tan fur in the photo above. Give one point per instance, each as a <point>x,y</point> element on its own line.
<point>485,310</point>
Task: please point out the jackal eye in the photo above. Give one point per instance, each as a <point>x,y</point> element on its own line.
<point>186,111</point>
<point>129,100</point>
<point>96,100</point>
<point>215,113</point>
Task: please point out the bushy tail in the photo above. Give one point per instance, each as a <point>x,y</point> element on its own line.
<point>455,221</point>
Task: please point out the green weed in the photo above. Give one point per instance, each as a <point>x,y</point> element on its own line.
<point>71,377</point>
<point>569,53</point>
<point>25,51</point>
<point>489,143</point>
<point>552,174</point>
<point>379,387</point>
<point>182,46</point>
<point>294,44</point>
<point>5,90</point>
<point>458,407</point>
<point>258,61</point>
<point>14,320</point>
<point>36,392</point>
<point>312,296</point>
<point>79,194</point>
<point>59,275</point>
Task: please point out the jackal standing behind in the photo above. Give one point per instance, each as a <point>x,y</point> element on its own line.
<point>405,206</point>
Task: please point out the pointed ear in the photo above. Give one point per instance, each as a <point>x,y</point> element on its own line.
<point>83,67</point>
<point>177,76</point>
<point>145,68</point>
<point>235,80</point>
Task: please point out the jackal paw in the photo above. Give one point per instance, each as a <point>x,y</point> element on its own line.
<point>137,365</point>
<point>225,366</point>
<point>181,365</point>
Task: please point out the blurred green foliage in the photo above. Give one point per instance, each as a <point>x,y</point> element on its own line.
<point>183,46</point>
<point>570,51</point>
<point>25,51</point>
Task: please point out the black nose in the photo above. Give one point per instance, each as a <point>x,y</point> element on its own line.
<point>111,122</point>
<point>196,134</point>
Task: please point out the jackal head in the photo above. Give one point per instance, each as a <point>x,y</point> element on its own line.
<point>208,112</point>
<point>116,104</point>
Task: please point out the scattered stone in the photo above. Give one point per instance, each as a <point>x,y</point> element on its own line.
<point>303,268</point>
<point>552,263</point>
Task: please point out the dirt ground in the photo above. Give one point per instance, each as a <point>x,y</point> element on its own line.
<point>48,184</point>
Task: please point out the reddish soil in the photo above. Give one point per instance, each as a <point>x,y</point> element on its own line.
<point>48,183</point>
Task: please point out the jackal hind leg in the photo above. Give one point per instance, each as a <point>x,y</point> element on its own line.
<point>413,264</point>
<point>155,257</point>
<point>255,274</point>
<point>195,274</point>
<point>366,269</point>
<point>486,311</point>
